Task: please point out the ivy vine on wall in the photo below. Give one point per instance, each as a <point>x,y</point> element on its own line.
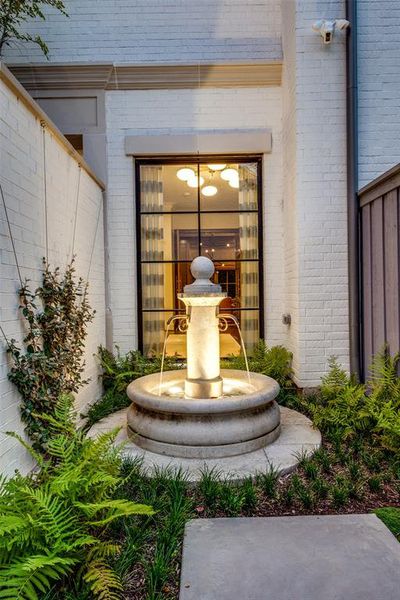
<point>51,361</point>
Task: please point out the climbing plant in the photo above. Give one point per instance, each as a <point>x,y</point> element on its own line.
<point>55,317</point>
<point>15,12</point>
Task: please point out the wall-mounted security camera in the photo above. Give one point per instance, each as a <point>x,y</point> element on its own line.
<point>327,28</point>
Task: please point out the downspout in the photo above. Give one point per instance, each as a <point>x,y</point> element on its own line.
<point>352,187</point>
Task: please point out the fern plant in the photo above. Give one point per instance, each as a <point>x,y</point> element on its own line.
<point>383,399</point>
<point>274,361</point>
<point>347,408</point>
<point>54,523</point>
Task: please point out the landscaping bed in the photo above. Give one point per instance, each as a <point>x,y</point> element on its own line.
<point>88,524</point>
<point>357,470</point>
<point>336,480</point>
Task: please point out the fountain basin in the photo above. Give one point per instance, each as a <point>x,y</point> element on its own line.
<point>244,419</point>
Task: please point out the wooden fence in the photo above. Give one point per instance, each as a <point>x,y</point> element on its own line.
<point>379,265</point>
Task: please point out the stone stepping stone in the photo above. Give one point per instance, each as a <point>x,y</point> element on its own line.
<point>334,557</point>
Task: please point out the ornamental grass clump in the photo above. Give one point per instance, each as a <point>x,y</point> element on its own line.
<point>55,317</point>
<point>54,523</point>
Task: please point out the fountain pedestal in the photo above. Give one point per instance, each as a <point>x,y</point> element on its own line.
<point>202,299</point>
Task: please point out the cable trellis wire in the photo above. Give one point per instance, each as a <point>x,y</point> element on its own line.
<point>43,124</point>
<point>14,252</point>
<point>94,241</point>
<point>5,337</point>
<point>11,235</point>
<point>76,210</point>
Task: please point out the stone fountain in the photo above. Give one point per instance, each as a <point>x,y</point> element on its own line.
<point>203,412</point>
<point>204,416</point>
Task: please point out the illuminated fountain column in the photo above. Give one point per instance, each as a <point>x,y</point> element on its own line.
<point>202,299</point>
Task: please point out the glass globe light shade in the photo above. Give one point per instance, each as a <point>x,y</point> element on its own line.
<point>216,167</point>
<point>185,174</point>
<point>193,182</point>
<point>209,190</point>
<point>234,183</point>
<point>228,174</point>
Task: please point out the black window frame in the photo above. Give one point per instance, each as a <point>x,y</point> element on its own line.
<point>199,160</point>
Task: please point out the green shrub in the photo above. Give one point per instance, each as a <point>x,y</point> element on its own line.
<point>56,316</point>
<point>374,483</point>
<point>249,494</point>
<point>54,523</point>
<point>306,497</point>
<point>230,498</point>
<point>345,409</point>
<point>118,370</point>
<point>323,458</point>
<point>209,486</point>
<point>339,406</point>
<point>110,402</point>
<point>354,469</point>
<point>320,488</point>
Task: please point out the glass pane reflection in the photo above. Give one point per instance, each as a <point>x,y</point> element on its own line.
<point>229,236</point>
<point>169,237</point>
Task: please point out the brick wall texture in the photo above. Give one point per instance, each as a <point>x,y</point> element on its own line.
<point>314,133</point>
<point>22,180</point>
<point>157,31</point>
<point>304,195</point>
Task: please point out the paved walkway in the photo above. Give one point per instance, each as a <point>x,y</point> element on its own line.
<point>338,557</point>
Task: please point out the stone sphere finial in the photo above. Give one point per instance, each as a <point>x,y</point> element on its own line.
<point>202,268</point>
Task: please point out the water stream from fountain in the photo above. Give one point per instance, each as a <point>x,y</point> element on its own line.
<point>228,317</point>
<point>167,330</point>
<point>223,318</point>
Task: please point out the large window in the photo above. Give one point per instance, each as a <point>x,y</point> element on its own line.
<point>185,209</point>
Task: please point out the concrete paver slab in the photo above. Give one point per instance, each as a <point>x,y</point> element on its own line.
<point>335,557</point>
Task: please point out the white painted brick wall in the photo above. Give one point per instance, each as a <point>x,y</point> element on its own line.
<point>182,111</point>
<point>315,134</point>
<point>289,179</point>
<point>378,87</point>
<point>305,176</point>
<point>138,31</point>
<point>21,176</point>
